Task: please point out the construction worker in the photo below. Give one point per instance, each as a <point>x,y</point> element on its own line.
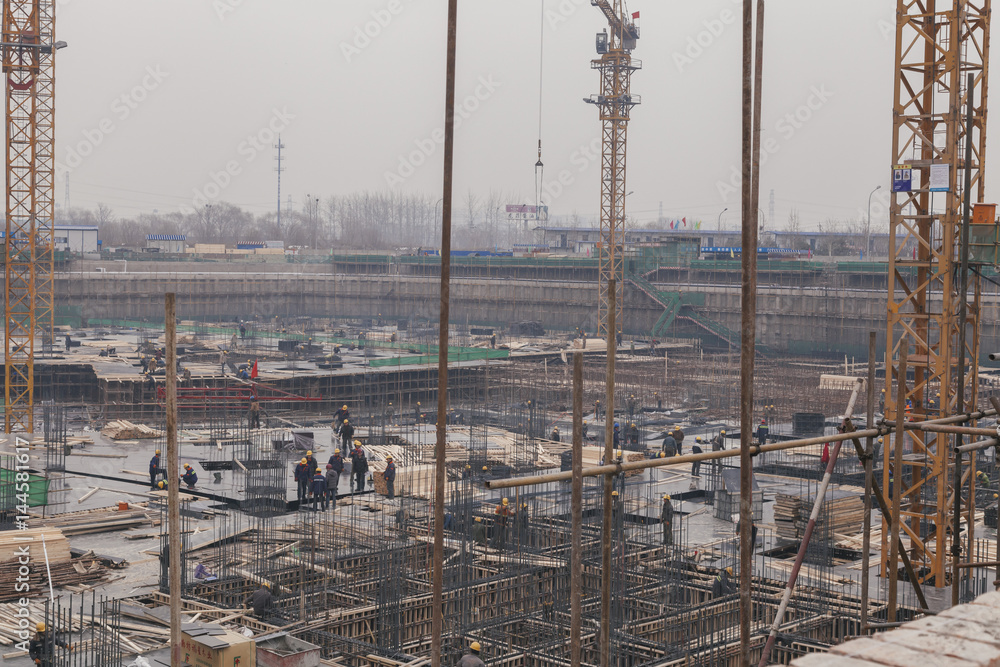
<point>678,436</point>
<point>332,477</point>
<point>254,413</point>
<point>416,413</point>
<point>346,434</point>
<point>162,485</point>
<point>302,480</point>
<point>503,516</point>
<point>616,437</point>
<point>359,464</point>
<point>548,608</point>
<point>696,449</point>
<point>42,648</point>
<point>338,418</point>
<point>479,532</point>
<point>336,462</point>
<point>633,435</point>
<point>467,471</point>
<point>472,659</point>
<point>154,469</point>
<point>982,479</point>
<point>555,434</point>
<point>658,399</point>
<point>190,477</point>
<point>485,470</point>
<point>669,445</point>
<point>260,600</point>
<point>584,429</point>
<point>719,441</point>
<point>667,520</point>
<point>319,490</point>
<point>721,585</point>
<point>310,461</point>
<point>762,432</point>
<point>390,477</point>
<point>597,409</point>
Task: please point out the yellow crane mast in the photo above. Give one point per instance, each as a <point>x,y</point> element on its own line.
<point>615,102</point>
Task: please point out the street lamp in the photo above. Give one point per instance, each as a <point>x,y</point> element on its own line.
<point>868,225</point>
<point>718,226</point>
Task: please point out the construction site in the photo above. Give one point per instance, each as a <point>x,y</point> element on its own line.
<point>650,457</point>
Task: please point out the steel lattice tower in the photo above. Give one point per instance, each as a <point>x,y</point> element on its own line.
<point>28,64</point>
<point>938,44</point>
<point>615,102</point>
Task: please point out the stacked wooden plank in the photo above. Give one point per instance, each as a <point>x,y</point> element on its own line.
<point>11,542</point>
<point>101,520</point>
<point>842,512</point>
<point>122,429</point>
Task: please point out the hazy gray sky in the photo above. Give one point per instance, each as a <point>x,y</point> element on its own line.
<point>156,100</point>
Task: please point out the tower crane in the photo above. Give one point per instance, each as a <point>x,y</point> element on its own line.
<point>615,102</point>
<point>29,48</point>
<point>938,44</point>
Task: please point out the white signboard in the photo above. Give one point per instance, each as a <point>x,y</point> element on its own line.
<point>939,178</point>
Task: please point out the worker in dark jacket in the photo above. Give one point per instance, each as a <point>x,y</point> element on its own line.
<point>555,434</point>
<point>339,416</point>
<point>721,585</point>
<point>332,478</point>
<point>42,647</point>
<point>254,413</point>
<point>360,466</point>
<point>302,481</point>
<point>472,659</point>
<point>260,600</point>
<point>667,520</point>
<point>311,462</point>
<point>190,477</point>
<point>154,469</point>
<point>502,513</point>
<point>762,432</point>
<point>696,449</point>
<point>337,463</point>
<point>319,490</point>
<point>390,478</point>
<point>346,434</point>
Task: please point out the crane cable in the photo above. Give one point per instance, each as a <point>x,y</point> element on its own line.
<point>539,167</point>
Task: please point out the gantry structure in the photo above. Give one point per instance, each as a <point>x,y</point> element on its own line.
<point>938,44</point>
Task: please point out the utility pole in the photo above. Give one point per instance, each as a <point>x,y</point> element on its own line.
<point>280,146</point>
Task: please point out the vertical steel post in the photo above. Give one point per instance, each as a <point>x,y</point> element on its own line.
<point>173,483</point>
<point>576,512</point>
<point>963,295</point>
<point>869,445</point>
<point>609,456</point>
<point>748,300</point>
<point>437,619</point>
<point>897,480</point>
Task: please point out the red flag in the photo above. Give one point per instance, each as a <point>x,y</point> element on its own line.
<point>671,224</point>
<point>635,15</point>
<point>685,221</point>
<point>253,372</point>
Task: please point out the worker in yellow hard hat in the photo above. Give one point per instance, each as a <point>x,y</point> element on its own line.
<point>190,477</point>
<point>479,532</point>
<point>346,433</point>
<point>472,659</point>
<point>154,469</point>
<point>721,585</point>
<point>42,647</point>
<point>503,514</point>
<point>667,520</point>
<point>310,461</point>
<point>338,418</point>
<point>303,476</point>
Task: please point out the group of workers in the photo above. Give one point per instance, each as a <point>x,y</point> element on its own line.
<point>504,517</point>
<point>313,482</point>
<point>189,478</point>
